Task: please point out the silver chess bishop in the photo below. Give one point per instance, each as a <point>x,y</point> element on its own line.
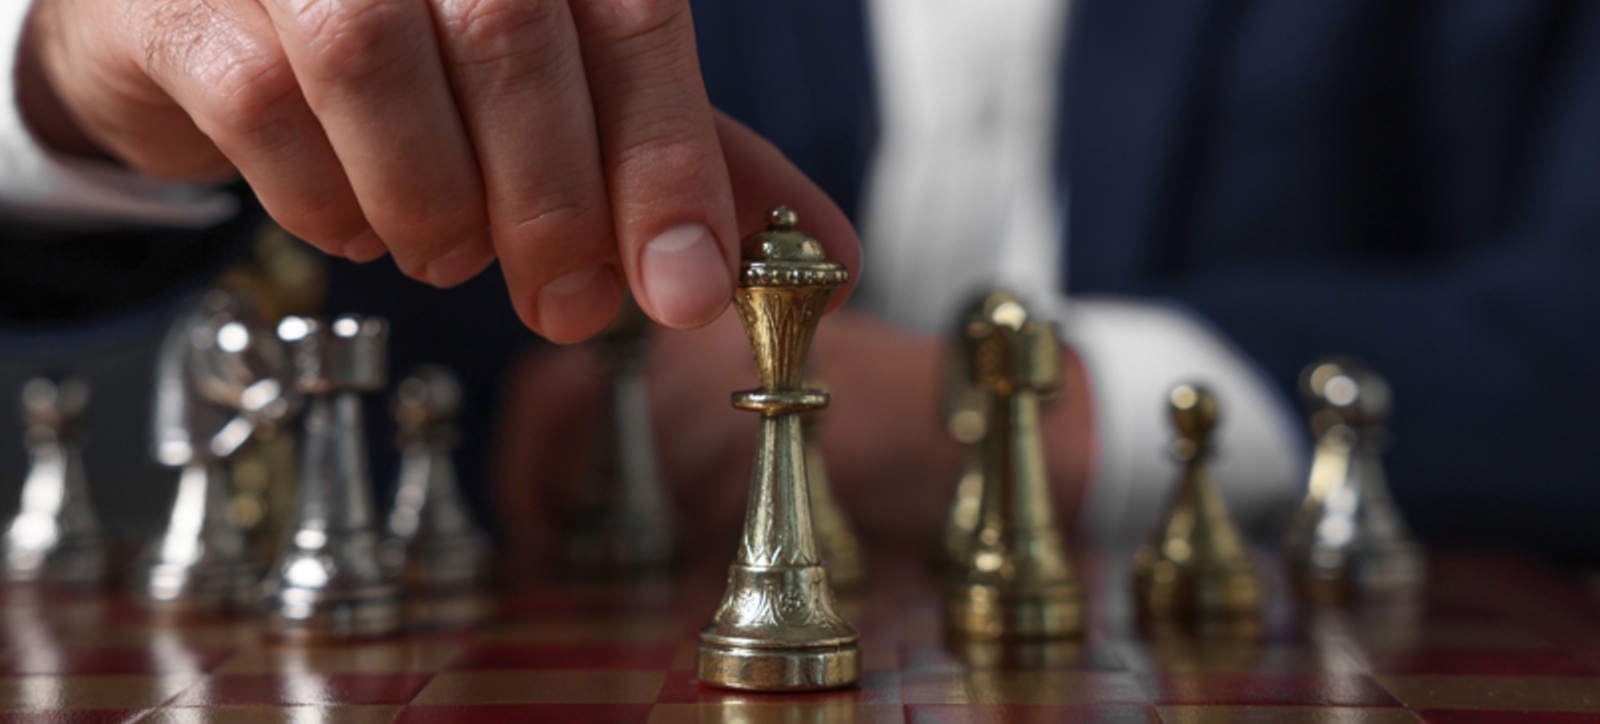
<point>55,536</point>
<point>328,582</point>
<point>433,545</point>
<point>221,379</point>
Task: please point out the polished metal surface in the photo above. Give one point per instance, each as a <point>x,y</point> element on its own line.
<point>836,537</point>
<point>1349,539</point>
<point>1013,580</point>
<point>55,536</point>
<point>1195,567</point>
<point>623,525</point>
<point>328,582</point>
<point>221,380</point>
<point>777,628</point>
<point>966,417</point>
<point>433,544</point>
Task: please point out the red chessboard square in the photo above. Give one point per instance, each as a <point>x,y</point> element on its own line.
<point>301,689</point>
<point>521,713</point>
<point>1260,689</point>
<point>1052,655</point>
<point>1040,688</point>
<point>71,716</point>
<point>1482,663</point>
<point>1024,714</point>
<point>566,656</point>
<point>1447,716</point>
<point>877,687</point>
<point>176,659</point>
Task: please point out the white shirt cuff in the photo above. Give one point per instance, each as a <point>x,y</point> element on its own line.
<point>39,185</point>
<point>1135,351</point>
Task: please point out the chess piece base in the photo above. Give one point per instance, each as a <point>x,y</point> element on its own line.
<point>183,589</point>
<point>1164,592</point>
<point>752,668</point>
<point>982,611</point>
<point>313,616</point>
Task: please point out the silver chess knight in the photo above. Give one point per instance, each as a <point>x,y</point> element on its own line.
<point>1349,539</point>
<point>55,536</point>
<point>221,379</point>
<point>433,544</point>
<point>328,582</point>
<point>623,524</point>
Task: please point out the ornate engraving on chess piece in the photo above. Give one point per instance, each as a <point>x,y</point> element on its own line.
<point>328,582</point>
<point>966,409</point>
<point>1195,567</point>
<point>623,525</point>
<point>1349,539</point>
<point>1014,580</point>
<point>836,538</point>
<point>433,543</point>
<point>221,378</point>
<point>777,629</point>
<point>55,536</point>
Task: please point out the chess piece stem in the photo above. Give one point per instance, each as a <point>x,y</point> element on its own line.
<point>1014,581</point>
<point>776,628</point>
<point>329,582</point>
<point>836,538</point>
<point>1196,565</point>
<point>55,536</point>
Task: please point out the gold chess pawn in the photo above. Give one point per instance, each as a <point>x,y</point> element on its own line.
<point>776,628</point>
<point>1349,539</point>
<point>966,420</point>
<point>1014,580</point>
<point>1196,566</point>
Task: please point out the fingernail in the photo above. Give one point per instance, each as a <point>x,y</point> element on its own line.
<point>685,280</point>
<point>461,264</point>
<point>570,305</point>
<point>365,247</point>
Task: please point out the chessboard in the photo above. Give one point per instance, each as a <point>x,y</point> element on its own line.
<point>1498,638</point>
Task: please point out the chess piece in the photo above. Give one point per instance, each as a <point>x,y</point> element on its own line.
<point>965,417</point>
<point>220,378</point>
<point>1349,538</point>
<point>623,524</point>
<point>1196,566</point>
<point>776,628</point>
<point>328,582</point>
<point>55,536</point>
<point>1014,581</point>
<point>433,543</point>
<point>836,537</point>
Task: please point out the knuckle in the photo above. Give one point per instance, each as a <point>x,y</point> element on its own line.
<point>422,232</point>
<point>620,20</point>
<point>489,30</point>
<point>249,94</point>
<point>350,39</point>
<point>667,142</point>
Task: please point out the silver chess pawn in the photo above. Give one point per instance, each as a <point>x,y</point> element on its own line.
<point>328,582</point>
<point>623,525</point>
<point>433,544</point>
<point>1349,539</point>
<point>55,536</point>
<point>220,380</point>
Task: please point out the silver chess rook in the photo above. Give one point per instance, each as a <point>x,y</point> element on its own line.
<point>221,378</point>
<point>433,544</point>
<point>1349,539</point>
<point>329,582</point>
<point>777,628</point>
<point>55,536</point>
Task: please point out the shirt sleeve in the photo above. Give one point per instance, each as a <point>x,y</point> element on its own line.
<point>1135,351</point>
<point>41,186</point>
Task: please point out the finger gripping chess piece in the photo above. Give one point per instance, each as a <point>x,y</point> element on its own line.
<point>1349,539</point>
<point>221,377</point>
<point>433,544</point>
<point>1014,580</point>
<point>328,582</point>
<point>55,536</point>
<point>776,628</point>
<point>623,525</point>
<point>1196,565</point>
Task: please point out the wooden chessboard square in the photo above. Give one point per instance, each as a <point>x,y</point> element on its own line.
<point>1482,662</point>
<point>38,693</point>
<point>1446,716</point>
<point>273,715</point>
<point>149,659</point>
<point>1507,693</point>
<point>763,712</point>
<point>1057,688</point>
<point>405,656</point>
<point>1220,656</point>
<point>1027,714</point>
<point>1285,715</point>
<point>1267,689</point>
<point>877,687</point>
<point>542,687</point>
<point>624,601</point>
<point>290,689</point>
<point>1067,655</point>
<point>1411,634</point>
<point>524,713</point>
<point>578,656</point>
<point>643,629</point>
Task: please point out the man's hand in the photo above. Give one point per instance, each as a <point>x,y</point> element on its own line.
<point>572,139</point>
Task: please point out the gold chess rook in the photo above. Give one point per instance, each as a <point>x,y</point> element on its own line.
<point>776,628</point>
